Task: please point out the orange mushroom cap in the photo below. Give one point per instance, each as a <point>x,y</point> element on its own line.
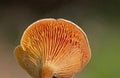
<point>53,48</point>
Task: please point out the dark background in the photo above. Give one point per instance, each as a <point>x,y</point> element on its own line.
<point>100,19</point>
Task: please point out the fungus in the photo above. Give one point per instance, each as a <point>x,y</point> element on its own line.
<point>53,48</point>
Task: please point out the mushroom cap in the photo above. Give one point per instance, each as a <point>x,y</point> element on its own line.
<point>53,47</point>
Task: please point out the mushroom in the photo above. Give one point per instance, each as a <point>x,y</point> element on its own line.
<point>53,48</point>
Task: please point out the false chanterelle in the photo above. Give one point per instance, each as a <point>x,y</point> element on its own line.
<point>53,48</point>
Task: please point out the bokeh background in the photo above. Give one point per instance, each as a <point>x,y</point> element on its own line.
<point>100,19</point>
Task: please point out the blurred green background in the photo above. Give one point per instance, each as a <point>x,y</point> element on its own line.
<point>100,19</point>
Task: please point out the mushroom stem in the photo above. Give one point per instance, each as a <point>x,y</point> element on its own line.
<point>46,72</point>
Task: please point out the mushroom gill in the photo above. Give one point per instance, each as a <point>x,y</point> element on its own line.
<point>53,48</point>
